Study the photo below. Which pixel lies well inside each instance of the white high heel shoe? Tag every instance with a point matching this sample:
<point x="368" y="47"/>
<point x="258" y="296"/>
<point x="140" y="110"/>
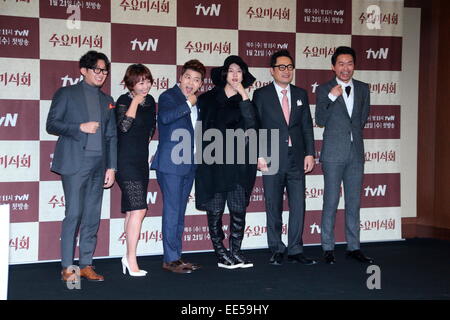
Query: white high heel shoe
<point x="125" y="266"/>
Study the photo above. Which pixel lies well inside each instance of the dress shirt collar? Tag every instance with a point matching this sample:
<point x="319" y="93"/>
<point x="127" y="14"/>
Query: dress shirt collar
<point x="345" y="84"/>
<point x="278" y="89"/>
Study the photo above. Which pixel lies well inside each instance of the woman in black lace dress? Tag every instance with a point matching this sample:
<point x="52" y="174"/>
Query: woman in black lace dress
<point x="136" y="121"/>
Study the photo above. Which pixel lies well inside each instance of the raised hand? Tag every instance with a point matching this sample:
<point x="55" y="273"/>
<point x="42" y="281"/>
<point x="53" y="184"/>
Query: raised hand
<point x="138" y="98"/>
<point x="239" y="88"/>
<point x="192" y="99"/>
<point x="337" y="90"/>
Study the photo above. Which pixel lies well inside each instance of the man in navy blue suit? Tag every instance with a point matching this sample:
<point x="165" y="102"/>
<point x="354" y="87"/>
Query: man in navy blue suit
<point x="175" y="169"/>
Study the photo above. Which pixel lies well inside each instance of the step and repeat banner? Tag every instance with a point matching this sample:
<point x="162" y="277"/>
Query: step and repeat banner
<point x="41" y="42"/>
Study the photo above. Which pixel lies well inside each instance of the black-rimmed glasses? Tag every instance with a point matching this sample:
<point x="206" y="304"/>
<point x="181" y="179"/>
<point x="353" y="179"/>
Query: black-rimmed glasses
<point x="98" y="70"/>
<point x="283" y="67"/>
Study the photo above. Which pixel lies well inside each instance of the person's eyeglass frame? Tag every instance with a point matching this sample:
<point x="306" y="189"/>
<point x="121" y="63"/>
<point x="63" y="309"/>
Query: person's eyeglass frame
<point x="283" y="67"/>
<point x="97" y="70"/>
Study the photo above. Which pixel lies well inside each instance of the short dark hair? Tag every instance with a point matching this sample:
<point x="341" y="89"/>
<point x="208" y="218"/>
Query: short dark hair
<point x="90" y="59"/>
<point x="195" y="65"/>
<point x="281" y="53"/>
<point x="342" y="50"/>
<point x="224" y="74"/>
<point x="136" y="73"/>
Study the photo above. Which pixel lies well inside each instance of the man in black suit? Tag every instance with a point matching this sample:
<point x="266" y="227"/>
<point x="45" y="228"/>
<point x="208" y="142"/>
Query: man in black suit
<point x="284" y="109"/>
<point x="82" y="117"/>
<point x="342" y="108"/>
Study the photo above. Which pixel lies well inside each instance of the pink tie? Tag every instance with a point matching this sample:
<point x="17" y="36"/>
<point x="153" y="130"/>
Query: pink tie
<point x="285" y="107"/>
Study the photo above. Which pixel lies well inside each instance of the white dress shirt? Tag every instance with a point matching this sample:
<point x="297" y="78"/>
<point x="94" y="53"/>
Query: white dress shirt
<point x="280" y="95"/>
<point x="194" y="116"/>
<point x="349" y="101"/>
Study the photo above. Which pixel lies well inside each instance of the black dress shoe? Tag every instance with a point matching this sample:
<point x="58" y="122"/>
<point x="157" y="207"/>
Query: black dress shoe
<point x="276" y="259"/>
<point x="300" y="258"/>
<point x="328" y="256"/>
<point x="359" y="256"/>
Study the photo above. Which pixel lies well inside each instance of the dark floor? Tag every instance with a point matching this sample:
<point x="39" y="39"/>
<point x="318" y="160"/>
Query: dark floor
<point x="412" y="269"/>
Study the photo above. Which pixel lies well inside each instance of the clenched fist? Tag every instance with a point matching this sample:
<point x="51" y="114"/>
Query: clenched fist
<point x="337" y="90"/>
<point x="90" y="127"/>
<point x="192" y="99"/>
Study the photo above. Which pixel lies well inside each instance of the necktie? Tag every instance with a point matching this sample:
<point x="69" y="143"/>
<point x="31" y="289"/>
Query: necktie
<point x="285" y="107"/>
<point x="347" y="90"/>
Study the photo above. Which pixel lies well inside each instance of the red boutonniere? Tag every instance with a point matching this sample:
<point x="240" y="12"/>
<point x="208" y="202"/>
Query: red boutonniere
<point x="111" y="106"/>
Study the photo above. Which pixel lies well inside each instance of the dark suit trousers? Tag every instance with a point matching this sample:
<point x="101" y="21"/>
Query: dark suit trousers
<point x="175" y="190"/>
<point x="293" y="179"/>
<point x="351" y="174"/>
<point x="83" y="194"/>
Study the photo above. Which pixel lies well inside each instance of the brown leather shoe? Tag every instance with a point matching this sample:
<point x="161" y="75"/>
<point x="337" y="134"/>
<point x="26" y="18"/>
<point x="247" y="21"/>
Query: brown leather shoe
<point x="176" y="267"/>
<point x="89" y="273"/>
<point x="67" y="276"/>
<point x="189" y="265"/>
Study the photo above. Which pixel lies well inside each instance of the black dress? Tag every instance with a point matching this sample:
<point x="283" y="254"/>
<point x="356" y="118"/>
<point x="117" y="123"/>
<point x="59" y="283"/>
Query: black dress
<point x="132" y="151"/>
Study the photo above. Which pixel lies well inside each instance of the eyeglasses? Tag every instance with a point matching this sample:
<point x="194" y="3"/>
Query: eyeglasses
<point x="98" y="70"/>
<point x="283" y="67"/>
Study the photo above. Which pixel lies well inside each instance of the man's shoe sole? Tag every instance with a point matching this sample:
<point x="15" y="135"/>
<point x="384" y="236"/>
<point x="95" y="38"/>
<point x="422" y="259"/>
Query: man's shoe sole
<point x="225" y="266"/>
<point x="246" y="265"/>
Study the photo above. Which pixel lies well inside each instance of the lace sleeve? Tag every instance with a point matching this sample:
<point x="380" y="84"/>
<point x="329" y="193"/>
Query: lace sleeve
<point x="124" y="123"/>
<point x="152" y="132"/>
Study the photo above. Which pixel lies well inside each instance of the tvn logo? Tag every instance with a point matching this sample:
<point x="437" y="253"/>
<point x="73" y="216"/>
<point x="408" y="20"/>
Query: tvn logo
<point x="9" y="120"/>
<point x="212" y="10"/>
<point x="68" y="81"/>
<point x="23" y="33"/>
<point x="24" y="197"/>
<point x="379" y="191"/>
<point x="149" y="45"/>
<point x="378" y="55"/>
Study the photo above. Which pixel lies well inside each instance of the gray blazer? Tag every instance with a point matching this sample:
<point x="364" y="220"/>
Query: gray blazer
<point x="67" y="111"/>
<point x="338" y="124"/>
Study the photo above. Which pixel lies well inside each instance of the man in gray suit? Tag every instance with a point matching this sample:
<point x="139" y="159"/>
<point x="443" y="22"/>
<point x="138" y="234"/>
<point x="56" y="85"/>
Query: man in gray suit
<point x="342" y="108"/>
<point x="284" y="108"/>
<point x="85" y="157"/>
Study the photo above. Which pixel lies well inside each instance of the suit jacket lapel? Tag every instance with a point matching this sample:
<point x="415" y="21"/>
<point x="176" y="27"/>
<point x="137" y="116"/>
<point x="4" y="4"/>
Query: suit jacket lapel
<point x="356" y="97"/>
<point x="277" y="109"/>
<point x="104" y="105"/>
<point x="180" y="98"/>
<point x="344" y="106"/>
<point x="294" y="107"/>
<point x="179" y="94"/>
<point x="80" y="102"/>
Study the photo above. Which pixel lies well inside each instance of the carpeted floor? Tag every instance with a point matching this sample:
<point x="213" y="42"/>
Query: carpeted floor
<point x="412" y="269"/>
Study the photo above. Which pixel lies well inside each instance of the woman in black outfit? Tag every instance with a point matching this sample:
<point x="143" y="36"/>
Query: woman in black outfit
<point x="227" y="106"/>
<point x="136" y="121"/>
